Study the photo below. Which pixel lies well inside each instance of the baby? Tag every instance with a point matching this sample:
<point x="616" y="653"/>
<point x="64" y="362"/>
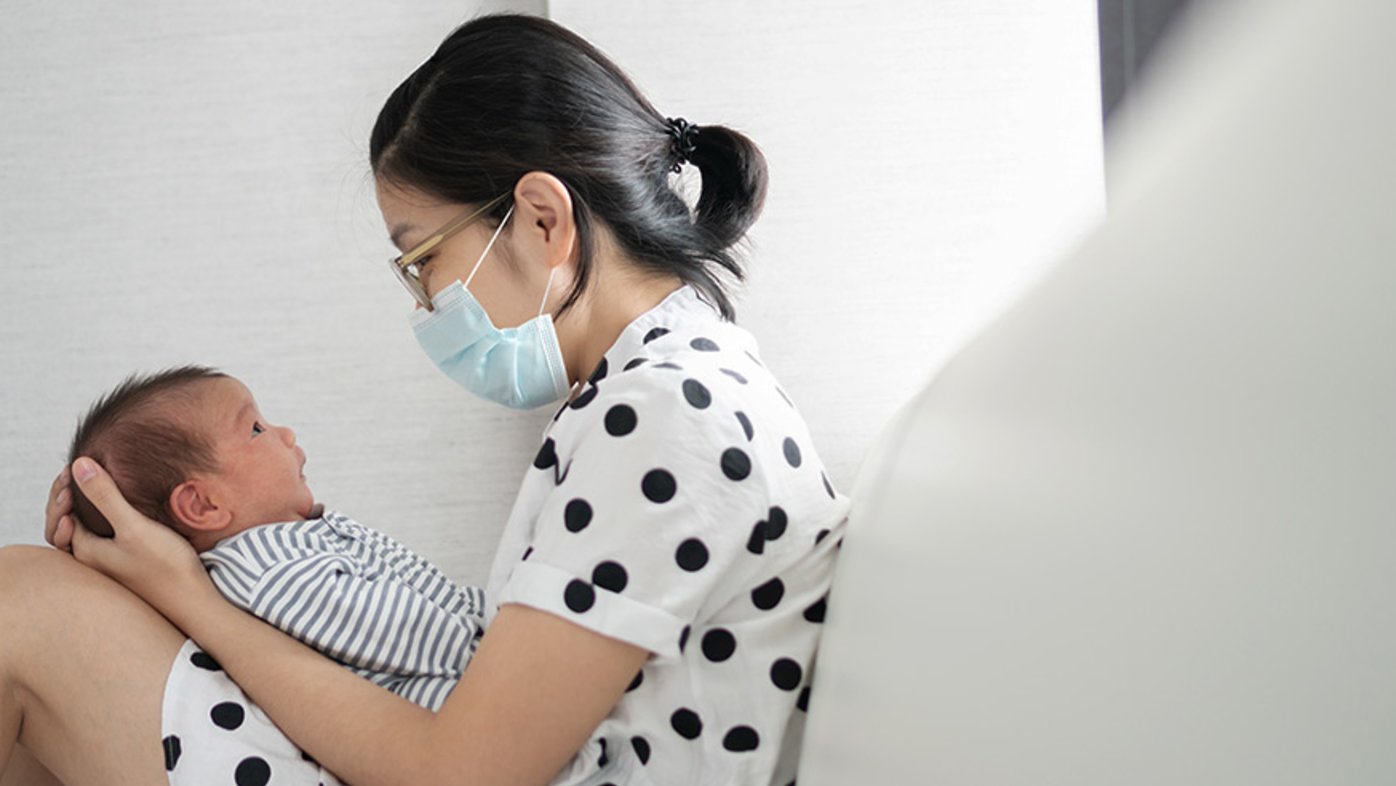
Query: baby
<point x="189" y="448"/>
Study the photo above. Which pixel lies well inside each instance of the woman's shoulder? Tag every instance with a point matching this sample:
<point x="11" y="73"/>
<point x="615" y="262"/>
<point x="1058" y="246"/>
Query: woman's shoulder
<point x="699" y="381"/>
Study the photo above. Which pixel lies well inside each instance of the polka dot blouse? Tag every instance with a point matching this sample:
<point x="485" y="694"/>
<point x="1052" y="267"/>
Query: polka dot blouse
<point x="677" y="504"/>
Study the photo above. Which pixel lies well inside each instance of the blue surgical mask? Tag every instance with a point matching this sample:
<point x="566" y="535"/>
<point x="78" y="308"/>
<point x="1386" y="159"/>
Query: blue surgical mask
<point x="519" y="367"/>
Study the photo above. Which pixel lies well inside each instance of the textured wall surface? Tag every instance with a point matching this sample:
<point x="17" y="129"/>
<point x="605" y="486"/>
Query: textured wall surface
<point x="186" y="182"/>
<point x="928" y="160"/>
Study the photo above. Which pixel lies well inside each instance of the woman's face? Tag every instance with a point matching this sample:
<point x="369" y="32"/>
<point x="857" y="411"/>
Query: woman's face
<point x="510" y="293"/>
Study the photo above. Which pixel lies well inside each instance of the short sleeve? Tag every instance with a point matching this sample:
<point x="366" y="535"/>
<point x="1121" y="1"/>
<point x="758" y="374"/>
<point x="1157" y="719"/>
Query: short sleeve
<point x="655" y="493"/>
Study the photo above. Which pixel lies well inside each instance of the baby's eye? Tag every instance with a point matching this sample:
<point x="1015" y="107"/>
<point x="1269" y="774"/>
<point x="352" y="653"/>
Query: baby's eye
<point x="257" y="428"/>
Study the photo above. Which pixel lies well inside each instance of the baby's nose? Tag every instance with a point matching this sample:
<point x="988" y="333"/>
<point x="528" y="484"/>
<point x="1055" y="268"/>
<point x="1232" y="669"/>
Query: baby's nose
<point x="287" y="435"/>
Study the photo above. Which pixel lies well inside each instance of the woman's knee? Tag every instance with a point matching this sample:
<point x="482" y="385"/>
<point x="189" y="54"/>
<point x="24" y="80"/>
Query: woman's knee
<point x="21" y="567"/>
<point x="43" y="590"/>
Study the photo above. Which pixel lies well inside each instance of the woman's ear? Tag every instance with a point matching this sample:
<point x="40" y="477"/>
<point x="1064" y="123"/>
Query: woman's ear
<point x="543" y="225"/>
<point x="192" y="505"/>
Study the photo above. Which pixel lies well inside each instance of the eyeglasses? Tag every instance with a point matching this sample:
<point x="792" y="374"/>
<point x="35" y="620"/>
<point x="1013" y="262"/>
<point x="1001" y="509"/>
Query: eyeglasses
<point x="407" y="266"/>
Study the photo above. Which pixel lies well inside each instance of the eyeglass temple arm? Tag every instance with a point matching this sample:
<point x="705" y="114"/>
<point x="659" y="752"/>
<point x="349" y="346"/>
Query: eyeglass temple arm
<point x="448" y="230"/>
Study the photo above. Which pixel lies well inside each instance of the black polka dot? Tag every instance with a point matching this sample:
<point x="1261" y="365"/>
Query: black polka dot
<point x="768" y="595"/>
<point x="692" y="555"/>
<point x="642" y="749"/>
<point x="252" y="771"/>
<point x="635" y="362"/>
<point x="718" y="645"/>
<point x="667" y="364"/>
<point x="579" y="596"/>
<point x="736" y="464"/>
<point x="610" y="575"/>
<point x="703" y="345"/>
<point x="786" y="674"/>
<point x="746" y="425"/>
<point x="828" y="487"/>
<point x="803" y="701"/>
<point x="823" y="533"/>
<point x="654" y="334"/>
<point x="205" y="661"/>
<point x="600" y="372"/>
<point x="227" y="715"/>
<point x="696" y="394"/>
<point x="577" y="515"/>
<point x="528" y="552"/>
<point x="602" y="759"/>
<point x="687" y="723"/>
<point x="658" y="485"/>
<point x="620" y="420"/>
<point x="740" y="739"/>
<point x="683" y="637"/>
<point x="547" y="455"/>
<point x="172" y="751"/>
<point x="734" y="375"/>
<point x="635" y="683"/>
<point x="584" y="399"/>
<point x="776" y="522"/>
<point x="756" y="544"/>
<point x="816" y="612"/>
<point x="792" y="452"/>
<point x="307" y="757"/>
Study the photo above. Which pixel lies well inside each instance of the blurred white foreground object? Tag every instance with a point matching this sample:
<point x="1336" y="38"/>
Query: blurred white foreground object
<point x="1142" y="530"/>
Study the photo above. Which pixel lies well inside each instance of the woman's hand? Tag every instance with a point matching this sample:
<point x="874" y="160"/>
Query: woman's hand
<point x="149" y="558"/>
<point x="58" y="518"/>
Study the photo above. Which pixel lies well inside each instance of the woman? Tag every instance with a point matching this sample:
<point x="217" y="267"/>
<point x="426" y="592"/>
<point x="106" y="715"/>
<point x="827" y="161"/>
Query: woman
<point x="656" y="597"/>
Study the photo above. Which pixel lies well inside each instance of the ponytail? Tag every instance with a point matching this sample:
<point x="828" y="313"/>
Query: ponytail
<point x="734" y="183"/>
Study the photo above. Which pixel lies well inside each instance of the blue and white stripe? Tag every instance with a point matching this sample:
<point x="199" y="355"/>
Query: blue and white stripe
<point x="359" y="597"/>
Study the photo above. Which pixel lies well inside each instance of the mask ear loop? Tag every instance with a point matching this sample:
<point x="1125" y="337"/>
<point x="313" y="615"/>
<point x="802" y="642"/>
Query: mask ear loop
<point x="546" y="290"/>
<point x="488" y="246"/>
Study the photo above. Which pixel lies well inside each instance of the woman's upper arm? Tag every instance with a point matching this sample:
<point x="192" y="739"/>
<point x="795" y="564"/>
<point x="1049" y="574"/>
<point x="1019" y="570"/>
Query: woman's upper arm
<point x="535" y="691"/>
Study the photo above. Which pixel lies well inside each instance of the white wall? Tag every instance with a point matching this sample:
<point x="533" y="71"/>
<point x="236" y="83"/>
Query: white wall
<point x="927" y="160"/>
<point x="187" y="183"/>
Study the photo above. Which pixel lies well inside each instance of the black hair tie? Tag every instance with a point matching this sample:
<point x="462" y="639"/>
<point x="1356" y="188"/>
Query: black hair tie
<point x="682" y="133"/>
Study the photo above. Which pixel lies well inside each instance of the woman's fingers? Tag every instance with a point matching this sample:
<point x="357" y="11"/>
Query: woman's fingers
<point x="102" y="492"/>
<point x="63" y="534"/>
<point x="60" y="504"/>
<point x="86" y="546"/>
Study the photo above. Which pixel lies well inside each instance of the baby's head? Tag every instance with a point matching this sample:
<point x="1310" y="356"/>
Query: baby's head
<point x="188" y="448"/>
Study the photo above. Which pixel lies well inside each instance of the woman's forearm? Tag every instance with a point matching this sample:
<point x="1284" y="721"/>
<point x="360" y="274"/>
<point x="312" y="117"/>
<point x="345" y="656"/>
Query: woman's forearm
<point x="331" y="713"/>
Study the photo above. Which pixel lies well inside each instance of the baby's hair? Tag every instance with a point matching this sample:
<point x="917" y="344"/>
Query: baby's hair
<point x="144" y="439"/>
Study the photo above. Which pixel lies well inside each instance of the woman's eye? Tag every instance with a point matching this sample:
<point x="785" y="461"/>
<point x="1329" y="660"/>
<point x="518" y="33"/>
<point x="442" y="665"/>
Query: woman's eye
<point x="422" y="263"/>
<point x="257" y="428"/>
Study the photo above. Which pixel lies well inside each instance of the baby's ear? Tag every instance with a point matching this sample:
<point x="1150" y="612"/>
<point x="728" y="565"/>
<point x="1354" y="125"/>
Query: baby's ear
<point x="191" y="505"/>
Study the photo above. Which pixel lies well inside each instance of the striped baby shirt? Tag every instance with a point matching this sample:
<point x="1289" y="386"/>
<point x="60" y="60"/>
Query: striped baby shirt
<point x="357" y="596"/>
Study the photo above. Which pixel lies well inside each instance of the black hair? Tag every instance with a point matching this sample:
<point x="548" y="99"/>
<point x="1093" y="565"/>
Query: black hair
<point x="506" y="94"/>
<point x="143" y="443"/>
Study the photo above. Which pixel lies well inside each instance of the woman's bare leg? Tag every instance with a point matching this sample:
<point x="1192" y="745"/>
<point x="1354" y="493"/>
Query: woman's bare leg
<point x="83" y="664"/>
<point x="25" y="770"/>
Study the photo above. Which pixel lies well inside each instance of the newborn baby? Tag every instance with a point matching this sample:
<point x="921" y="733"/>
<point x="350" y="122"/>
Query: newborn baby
<point x="189" y="448"/>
